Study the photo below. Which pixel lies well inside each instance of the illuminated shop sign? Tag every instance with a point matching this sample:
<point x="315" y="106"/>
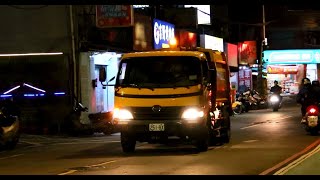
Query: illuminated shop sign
<point x="274" y="69"/>
<point x="140" y="6"/>
<point x="307" y="56"/>
<point x="211" y="42"/>
<point x="162" y="33"/>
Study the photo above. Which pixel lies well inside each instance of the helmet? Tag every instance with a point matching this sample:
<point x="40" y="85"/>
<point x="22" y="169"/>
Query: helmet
<point x="306" y="81"/>
<point x="275" y="81"/>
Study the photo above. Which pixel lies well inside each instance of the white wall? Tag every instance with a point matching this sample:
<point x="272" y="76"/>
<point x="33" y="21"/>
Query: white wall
<point x="312" y="72"/>
<point x="104" y="98"/>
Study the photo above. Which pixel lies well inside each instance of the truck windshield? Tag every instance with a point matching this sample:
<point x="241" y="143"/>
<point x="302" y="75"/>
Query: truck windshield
<point x="159" y="71"/>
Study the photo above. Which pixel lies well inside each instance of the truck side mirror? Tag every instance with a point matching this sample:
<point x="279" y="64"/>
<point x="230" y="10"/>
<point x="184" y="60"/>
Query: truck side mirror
<point x="102" y="74"/>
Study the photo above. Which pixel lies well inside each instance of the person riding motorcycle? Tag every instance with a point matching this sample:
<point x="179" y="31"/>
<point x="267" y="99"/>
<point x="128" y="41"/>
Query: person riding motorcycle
<point x="306" y="95"/>
<point x="276" y="89"/>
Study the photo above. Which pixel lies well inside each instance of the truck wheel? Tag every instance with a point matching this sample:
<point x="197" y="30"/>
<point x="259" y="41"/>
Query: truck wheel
<point x="226" y="135"/>
<point x="314" y="131"/>
<point x="11" y="144"/>
<point x="202" y="145"/>
<point x="226" y="130"/>
<point x="202" y="142"/>
<point x="128" y="142"/>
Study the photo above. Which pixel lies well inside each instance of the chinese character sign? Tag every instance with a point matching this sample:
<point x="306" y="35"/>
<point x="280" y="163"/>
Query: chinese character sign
<point x="163" y="32"/>
<point x="245" y="77"/>
<point x="114" y="16"/>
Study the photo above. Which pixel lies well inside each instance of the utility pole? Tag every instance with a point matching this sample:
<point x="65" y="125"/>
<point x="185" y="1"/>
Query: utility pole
<point x="260" y="82"/>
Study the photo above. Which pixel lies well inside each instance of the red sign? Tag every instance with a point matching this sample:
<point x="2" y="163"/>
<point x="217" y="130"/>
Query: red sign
<point x="282" y="69"/>
<point x="248" y="52"/>
<point x="187" y="39"/>
<point x="114" y="16"/>
<point x="245" y="78"/>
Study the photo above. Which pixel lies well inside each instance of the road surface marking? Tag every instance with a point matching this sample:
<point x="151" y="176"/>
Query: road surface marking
<point x="11" y="156"/>
<point x="32" y="143"/>
<point x="68" y="172"/>
<point x="86" y="142"/>
<point x="297" y="162"/>
<point x="259" y="123"/>
<point x="293" y="157"/>
<point x="101" y="164"/>
<point x="249" y="141"/>
<point x="89" y="166"/>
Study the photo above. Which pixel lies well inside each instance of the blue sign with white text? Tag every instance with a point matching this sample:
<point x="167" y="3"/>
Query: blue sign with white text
<point x="294" y="56"/>
<point x="163" y="32"/>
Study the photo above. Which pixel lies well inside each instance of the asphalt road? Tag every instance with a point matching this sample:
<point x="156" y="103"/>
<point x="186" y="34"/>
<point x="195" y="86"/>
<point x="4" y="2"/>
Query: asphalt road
<point x="261" y="142"/>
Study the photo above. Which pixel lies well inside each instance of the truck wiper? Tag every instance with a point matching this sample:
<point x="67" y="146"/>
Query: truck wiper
<point x="175" y="86"/>
<point x="137" y="86"/>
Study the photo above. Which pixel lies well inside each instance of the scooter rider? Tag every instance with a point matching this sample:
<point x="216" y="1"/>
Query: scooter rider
<point x="276" y="89"/>
<point x="305" y="97"/>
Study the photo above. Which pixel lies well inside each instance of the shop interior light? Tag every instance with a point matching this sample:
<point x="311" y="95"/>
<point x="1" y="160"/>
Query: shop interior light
<point x="10" y="90"/>
<point x="31" y="54"/>
<point x="25" y="84"/>
<point x="32" y="95"/>
<point x="5" y="95"/>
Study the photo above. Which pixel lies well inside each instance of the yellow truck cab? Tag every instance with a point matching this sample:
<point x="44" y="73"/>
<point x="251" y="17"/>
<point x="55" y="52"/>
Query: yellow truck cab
<point x="173" y="92"/>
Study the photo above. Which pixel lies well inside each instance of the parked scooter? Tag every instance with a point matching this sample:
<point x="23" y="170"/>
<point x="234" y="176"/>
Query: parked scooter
<point x="275" y="101"/>
<point x="9" y="126"/>
<point x="73" y="124"/>
<point x="241" y="104"/>
<point x="311" y="120"/>
<point x="261" y="101"/>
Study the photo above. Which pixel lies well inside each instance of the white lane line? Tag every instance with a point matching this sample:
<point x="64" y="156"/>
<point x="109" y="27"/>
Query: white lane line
<point x="32" y="143"/>
<point x="95" y="142"/>
<point x="250" y="126"/>
<point x="101" y="164"/>
<point x="297" y="161"/>
<point x="11" y="156"/>
<point x="68" y="172"/>
<point x="253" y="125"/>
<point x="89" y="166"/>
<point x="250" y="141"/>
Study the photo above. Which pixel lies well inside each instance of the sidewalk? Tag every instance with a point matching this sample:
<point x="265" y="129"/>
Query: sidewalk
<point x="308" y="164"/>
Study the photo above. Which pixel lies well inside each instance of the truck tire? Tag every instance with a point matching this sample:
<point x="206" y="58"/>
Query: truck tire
<point x="128" y="142"/>
<point x="226" y="129"/>
<point x="314" y="131"/>
<point x="202" y="142"/>
<point x="202" y="145"/>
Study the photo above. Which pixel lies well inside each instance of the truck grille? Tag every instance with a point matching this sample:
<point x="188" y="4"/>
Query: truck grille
<point x="166" y="113"/>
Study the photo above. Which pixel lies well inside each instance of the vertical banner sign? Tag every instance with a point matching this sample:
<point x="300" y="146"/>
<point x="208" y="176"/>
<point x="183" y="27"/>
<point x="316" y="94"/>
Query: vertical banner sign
<point x="245" y="78"/>
<point x="162" y="33"/>
<point x="114" y="16"/>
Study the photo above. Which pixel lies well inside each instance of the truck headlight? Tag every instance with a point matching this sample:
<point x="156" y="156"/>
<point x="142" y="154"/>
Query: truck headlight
<point x="192" y="114"/>
<point x="122" y="114"/>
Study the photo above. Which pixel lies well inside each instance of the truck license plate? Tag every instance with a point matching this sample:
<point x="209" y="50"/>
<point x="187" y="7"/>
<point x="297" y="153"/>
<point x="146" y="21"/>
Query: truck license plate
<point x="312" y="121"/>
<point x="156" y="127"/>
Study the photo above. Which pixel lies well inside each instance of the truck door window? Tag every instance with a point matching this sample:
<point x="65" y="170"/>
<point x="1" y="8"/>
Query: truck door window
<point x="222" y="81"/>
<point x="204" y="65"/>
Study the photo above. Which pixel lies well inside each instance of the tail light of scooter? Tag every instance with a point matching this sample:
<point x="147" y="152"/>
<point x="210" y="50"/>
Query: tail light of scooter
<point x="312" y="110"/>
